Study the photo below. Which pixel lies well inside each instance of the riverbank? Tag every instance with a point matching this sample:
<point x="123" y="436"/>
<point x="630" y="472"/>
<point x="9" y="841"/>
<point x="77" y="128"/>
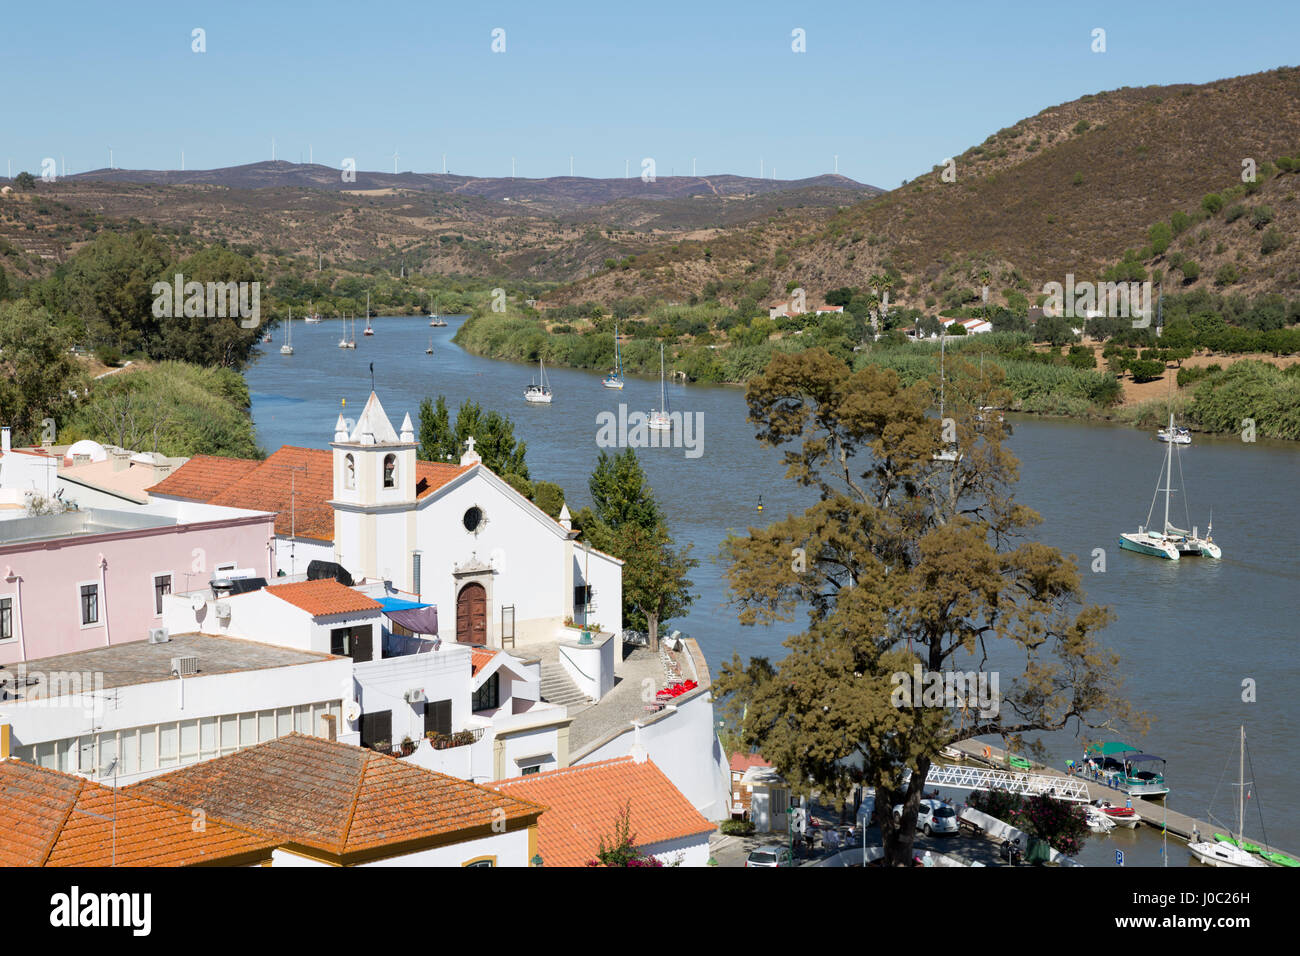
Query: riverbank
<point x="1250" y="395"/>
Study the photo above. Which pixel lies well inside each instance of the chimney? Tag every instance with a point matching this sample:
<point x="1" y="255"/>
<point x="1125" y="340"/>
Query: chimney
<point x="331" y="732"/>
<point x="121" y="459"/>
<point x="566" y="520"/>
<point x="5" y="435"/>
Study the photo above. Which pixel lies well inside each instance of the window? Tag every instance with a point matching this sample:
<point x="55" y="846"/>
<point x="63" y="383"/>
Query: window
<point x="162" y="584"/>
<point x="354" y="642"/>
<point x="535" y="768"/>
<point x="473" y="518"/>
<point x="487" y="697"/>
<point x="482" y="861"/>
<point x="390" y="471"/>
<point x="582" y="597"/>
<point x="349" y="472"/>
<point x="89" y="604"/>
<point x="6" y="619"/>
<point x="437" y="716"/>
<point x="377" y="731"/>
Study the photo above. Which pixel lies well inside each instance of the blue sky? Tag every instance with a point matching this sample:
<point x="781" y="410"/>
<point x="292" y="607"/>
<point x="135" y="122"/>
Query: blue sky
<point x="891" y="88"/>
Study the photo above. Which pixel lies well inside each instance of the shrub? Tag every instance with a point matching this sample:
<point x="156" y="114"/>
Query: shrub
<point x="1212" y="203"/>
<point x="1261" y="216"/>
<point x="1191" y="271"/>
<point x="1234" y="213"/>
<point x="737" y="827"/>
<point x="1180" y="221"/>
<point x="1160" y="236"/>
<point x="1271" y="242"/>
<point x="1226" y="274"/>
<point x="1082" y="126"/>
<point x="1146" y="370"/>
<point x="1078" y="179"/>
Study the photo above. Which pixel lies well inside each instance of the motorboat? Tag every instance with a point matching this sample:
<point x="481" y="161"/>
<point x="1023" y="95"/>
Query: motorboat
<point x="1123" y="767"/>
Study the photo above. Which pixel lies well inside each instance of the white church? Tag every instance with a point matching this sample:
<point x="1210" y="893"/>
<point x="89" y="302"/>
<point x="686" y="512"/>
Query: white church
<point x="500" y="570"/>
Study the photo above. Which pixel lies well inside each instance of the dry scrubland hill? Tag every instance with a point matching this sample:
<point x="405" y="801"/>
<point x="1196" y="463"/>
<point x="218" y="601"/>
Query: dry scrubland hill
<point x="1066" y="191"/>
<point x="555" y="229"/>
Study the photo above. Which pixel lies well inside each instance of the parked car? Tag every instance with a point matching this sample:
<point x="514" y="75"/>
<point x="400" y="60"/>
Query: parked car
<point x="770" y="856"/>
<point x="933" y="816"/>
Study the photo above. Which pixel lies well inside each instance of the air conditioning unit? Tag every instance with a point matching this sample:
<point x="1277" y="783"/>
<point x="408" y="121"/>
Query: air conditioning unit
<point x="414" y="696"/>
<point x="185" y="666"/>
<point x="159" y="635"/>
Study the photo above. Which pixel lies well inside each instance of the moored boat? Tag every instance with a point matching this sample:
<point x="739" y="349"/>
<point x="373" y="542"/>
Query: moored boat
<point x="1116" y="764"/>
<point x="539" y="393"/>
<point x="1171" y="543"/>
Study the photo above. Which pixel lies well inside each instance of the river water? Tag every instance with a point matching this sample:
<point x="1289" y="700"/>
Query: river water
<point x="1189" y="632"/>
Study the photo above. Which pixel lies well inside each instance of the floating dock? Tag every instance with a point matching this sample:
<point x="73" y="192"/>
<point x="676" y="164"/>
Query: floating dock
<point x="1153" y="812"/>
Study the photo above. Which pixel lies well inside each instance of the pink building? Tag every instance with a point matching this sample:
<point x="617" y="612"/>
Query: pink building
<point x="85" y="579"/>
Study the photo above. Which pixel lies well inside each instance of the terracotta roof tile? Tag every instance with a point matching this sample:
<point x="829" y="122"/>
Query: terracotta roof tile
<point x="322" y="597"/>
<point x="583" y="804"/>
<point x="481" y="658"/>
<point x="742" y="762"/>
<point x="302" y="506"/>
<point x="203" y="476"/>
<point x="56" y="819"/>
<point x="333" y="797"/>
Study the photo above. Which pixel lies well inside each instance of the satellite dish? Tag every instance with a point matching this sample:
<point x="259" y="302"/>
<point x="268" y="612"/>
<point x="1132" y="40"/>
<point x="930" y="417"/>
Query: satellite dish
<point x="352" y="712"/>
<point x="198" y="603"/>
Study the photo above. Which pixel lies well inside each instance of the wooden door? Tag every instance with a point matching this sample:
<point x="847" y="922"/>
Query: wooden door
<point x="471" y="615"/>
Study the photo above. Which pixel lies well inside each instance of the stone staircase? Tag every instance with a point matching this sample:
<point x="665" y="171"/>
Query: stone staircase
<point x="557" y="686"/>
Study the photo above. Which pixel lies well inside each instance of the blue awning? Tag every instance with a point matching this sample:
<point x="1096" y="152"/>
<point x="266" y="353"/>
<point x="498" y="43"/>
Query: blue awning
<point x="397" y="604"/>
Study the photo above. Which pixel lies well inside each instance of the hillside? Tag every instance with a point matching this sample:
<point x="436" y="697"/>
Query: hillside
<point x="551" y="230"/>
<point x="1066" y="191"/>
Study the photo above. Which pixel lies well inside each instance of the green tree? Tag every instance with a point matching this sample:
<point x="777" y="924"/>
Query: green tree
<point x="655" y="575"/>
<point x="37" y="373"/>
<point x="25" y="181"/>
<point x="207" y="339"/>
<point x="493" y="434"/>
<point x="109" y="286"/>
<point x="907" y="560"/>
<point x="620" y="493"/>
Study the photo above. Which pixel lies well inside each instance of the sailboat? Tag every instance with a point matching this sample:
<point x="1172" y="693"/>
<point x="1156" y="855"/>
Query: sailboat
<point x="287" y="347"/>
<point x="949" y="452"/>
<point x="313" y="319"/>
<point x="539" y="394"/>
<point x="345" y="342"/>
<point x="369" y="330"/>
<point x="1230" y="853"/>
<point x="1179" y="435"/>
<point x="1171" y="542"/>
<point x="429" y="350"/>
<point x="615" y="378"/>
<point x="435" y="319"/>
<point x="661" y="420"/>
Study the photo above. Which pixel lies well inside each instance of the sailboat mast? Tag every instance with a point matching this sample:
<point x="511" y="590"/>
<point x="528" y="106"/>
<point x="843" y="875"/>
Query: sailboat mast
<point x="663" y="393"/>
<point x="1169" y="472"/>
<point x="1241" y="786"/>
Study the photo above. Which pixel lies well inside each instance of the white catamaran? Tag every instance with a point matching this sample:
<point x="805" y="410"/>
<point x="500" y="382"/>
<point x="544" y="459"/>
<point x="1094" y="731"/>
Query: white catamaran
<point x="615" y="378"/>
<point x="539" y="394"/>
<point x="661" y="420"/>
<point x="1170" y="542"/>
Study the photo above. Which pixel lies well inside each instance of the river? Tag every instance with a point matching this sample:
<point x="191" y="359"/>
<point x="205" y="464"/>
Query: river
<point x="1189" y="632"/>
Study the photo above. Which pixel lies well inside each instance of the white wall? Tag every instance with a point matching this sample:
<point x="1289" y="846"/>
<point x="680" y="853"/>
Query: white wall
<point x="510" y="849"/>
<point x="175" y="699"/>
<point x="684" y="851"/>
<point x="683" y="744"/>
<point x="605" y="575"/>
<point x="443" y="674"/>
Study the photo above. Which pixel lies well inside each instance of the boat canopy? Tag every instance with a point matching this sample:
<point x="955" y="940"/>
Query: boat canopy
<point x="1109" y="748"/>
<point x="1143" y="758"/>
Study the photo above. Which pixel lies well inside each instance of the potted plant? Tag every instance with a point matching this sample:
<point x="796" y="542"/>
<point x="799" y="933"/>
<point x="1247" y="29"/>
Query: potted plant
<point x="408" y="746"/>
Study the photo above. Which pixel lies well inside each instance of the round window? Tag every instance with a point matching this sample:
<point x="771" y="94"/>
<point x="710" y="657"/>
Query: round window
<point x="473" y="518"/>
